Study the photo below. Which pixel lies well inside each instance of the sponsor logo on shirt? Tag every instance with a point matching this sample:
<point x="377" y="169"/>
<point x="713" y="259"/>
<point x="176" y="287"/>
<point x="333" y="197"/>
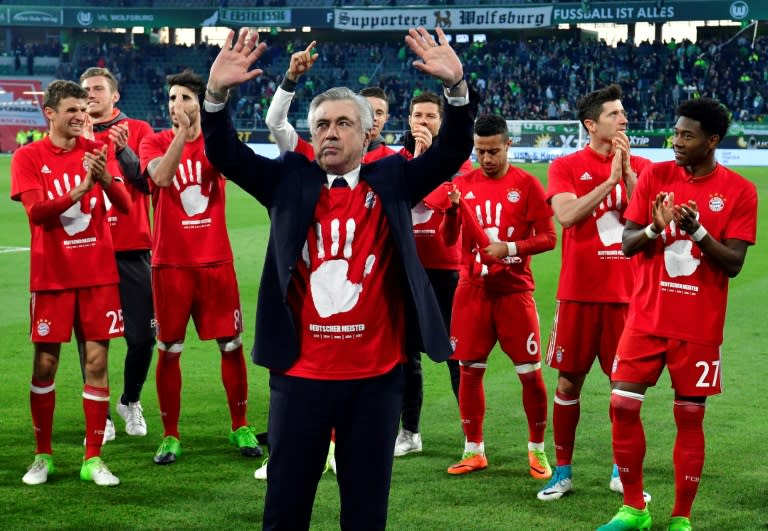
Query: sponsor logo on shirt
<point x="469" y="195"/>
<point x="716" y="202"/>
<point x="43" y="327"/>
<point x="585" y="176"/>
<point x="513" y="195"/>
<point x="45" y="169"/>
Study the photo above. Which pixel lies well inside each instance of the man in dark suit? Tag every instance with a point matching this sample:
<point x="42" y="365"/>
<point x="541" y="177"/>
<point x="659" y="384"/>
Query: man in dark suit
<point x="343" y="295"/>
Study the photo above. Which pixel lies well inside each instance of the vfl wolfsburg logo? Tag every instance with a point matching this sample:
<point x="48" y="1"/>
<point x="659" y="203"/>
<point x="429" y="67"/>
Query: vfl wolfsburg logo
<point x="84" y="18"/>
<point x="739" y="10"/>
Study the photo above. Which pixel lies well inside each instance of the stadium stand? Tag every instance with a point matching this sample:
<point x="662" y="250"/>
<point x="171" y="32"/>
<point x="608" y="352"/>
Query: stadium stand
<point x="654" y="76"/>
<point x="531" y="79"/>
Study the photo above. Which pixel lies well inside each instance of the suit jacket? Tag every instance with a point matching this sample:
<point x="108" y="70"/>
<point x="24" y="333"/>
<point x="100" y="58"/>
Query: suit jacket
<point x="289" y="187"/>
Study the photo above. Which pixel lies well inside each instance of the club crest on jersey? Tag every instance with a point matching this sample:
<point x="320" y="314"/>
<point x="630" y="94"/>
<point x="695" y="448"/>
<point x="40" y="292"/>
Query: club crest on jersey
<point x="370" y="199"/>
<point x="559" y="354"/>
<point x="43" y="327"/>
<point x="615" y="364"/>
<point x="716" y="202"/>
<point x="513" y="195"/>
<point x="453" y="343"/>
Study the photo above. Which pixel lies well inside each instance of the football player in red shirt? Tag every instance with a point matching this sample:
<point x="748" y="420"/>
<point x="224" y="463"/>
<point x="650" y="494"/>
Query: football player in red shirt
<point x="440" y="261"/>
<point x="588" y="191"/>
<point x="689" y="224"/>
<point x="193" y="274"/>
<point x="64" y="181"/>
<point x="495" y="303"/>
<point x="131" y="238"/>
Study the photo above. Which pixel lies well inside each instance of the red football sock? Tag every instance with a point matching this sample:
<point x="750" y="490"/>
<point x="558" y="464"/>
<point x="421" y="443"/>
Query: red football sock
<point x="565" y="418"/>
<point x="629" y="444"/>
<point x="534" y="402"/>
<point x="472" y="402"/>
<point x="96" y="407"/>
<point x="42" y="401"/>
<point x="235" y="379"/>
<point x="168" y="380"/>
<point x="688" y="455"/>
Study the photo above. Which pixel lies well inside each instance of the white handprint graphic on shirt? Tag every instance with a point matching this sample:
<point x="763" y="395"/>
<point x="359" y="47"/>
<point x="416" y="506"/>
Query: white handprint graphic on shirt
<point x="489" y="221"/>
<point x="332" y="291"/>
<point x="192" y="198"/>
<point x="73" y="219"/>
<point x="421" y="213"/>
<point x="678" y="258"/>
<point x="609" y="226"/>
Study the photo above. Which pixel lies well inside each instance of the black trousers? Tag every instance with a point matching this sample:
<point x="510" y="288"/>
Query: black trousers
<point x="444" y="283"/>
<point x="138" y="318"/>
<point x="302" y="412"/>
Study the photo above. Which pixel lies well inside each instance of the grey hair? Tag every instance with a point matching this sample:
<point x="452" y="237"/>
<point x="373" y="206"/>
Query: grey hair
<point x="338" y="94"/>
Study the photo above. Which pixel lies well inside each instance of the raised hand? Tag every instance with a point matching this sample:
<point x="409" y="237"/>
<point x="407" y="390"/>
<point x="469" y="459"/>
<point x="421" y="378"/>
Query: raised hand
<point x="302" y="61"/>
<point x="621" y="141"/>
<point x="118" y="134"/>
<point x="189" y="182"/>
<point x="423" y="138"/>
<point x="232" y="65"/>
<point x="663" y="210"/>
<point x="96" y="165"/>
<point x="88" y="127"/>
<point x="436" y="57"/>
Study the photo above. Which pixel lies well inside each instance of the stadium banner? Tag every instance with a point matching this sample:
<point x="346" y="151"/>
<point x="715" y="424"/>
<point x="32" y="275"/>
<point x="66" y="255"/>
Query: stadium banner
<point x="87" y="17"/>
<point x="655" y="11"/>
<point x="383" y="19"/>
<point x="470" y="18"/>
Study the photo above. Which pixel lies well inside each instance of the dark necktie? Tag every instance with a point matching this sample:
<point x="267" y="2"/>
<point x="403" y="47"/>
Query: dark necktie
<point x="339" y="182"/>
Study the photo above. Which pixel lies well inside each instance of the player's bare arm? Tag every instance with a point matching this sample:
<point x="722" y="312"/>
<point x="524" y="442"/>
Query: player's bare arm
<point x="729" y="255"/>
<point x="232" y="65"/>
<point x="570" y="209"/>
<point x="162" y="170"/>
<point x="635" y="236"/>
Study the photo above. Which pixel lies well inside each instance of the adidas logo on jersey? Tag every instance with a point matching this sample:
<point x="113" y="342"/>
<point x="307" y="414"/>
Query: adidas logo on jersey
<point x="585" y="177"/>
<point x="469" y="195"/>
<point x="45" y="169"/>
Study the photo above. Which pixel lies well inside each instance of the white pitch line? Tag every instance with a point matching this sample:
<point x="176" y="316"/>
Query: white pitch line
<point x="13" y="249"/>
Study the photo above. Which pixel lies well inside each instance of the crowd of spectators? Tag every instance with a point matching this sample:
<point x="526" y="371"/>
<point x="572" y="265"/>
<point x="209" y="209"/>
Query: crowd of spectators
<point x="522" y="79"/>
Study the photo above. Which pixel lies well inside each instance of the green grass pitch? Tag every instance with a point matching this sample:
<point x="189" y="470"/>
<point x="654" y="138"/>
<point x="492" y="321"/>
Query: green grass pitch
<point x="212" y="487"/>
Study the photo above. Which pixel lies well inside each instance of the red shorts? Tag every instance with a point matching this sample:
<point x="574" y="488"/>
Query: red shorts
<point x="583" y="331"/>
<point x="208" y="294"/>
<point x="693" y="367"/>
<point x="94" y="313"/>
<point x="479" y="319"/>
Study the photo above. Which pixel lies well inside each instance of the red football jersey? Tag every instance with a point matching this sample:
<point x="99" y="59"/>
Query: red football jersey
<point x="130" y="232"/>
<point x="506" y="209"/>
<point x="350" y="327"/>
<point x="679" y="292"/>
<point x="75" y="250"/>
<point x="593" y="269"/>
<point x="189" y="220"/>
<point x="427" y="217"/>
